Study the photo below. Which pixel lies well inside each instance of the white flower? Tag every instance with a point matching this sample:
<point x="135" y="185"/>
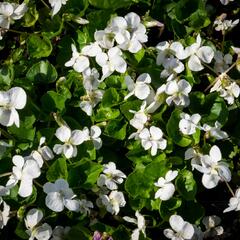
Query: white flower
<point x="70" y="139"/>
<point x="59" y="195"/>
<point x="188" y="124"/>
<point x="94" y="95"/>
<point x="227" y="88"/>
<point x="211" y="224"/>
<point x="56" y="5"/>
<point x="4" y="214"/>
<point x="225" y="2"/>
<point x="140" y="88"/>
<point x="197" y="54"/>
<point x="113" y="202"/>
<point x="80" y="61"/>
<point x="167" y="189"/>
<point x="111" y="176"/>
<point x="225" y="25"/>
<point x="213" y="169"/>
<point x="111" y="61"/>
<point x="60" y="233"/>
<point x="32" y="220"/>
<point x="10" y="12"/>
<point x="152" y="139"/>
<point x="182" y="229"/>
<point x="234" y="202"/>
<point x="14" y="98"/>
<point x="42" y="153"/>
<point x="129" y="32"/>
<point x="178" y="91"/>
<point x="141" y="225"/>
<point x="215" y="131"/>
<point x="24" y="171"/>
<point x="195" y="156"/>
<point x="140" y="117"/>
<point x="105" y="38"/>
<point x="85" y="206"/>
<point x="93" y="135"/>
<point x="222" y="62"/>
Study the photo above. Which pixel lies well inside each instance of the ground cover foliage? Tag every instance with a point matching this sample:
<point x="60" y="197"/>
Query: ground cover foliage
<point x="119" y="119"/>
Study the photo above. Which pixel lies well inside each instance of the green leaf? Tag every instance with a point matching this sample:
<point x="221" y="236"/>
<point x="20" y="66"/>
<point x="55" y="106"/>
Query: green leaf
<point x="31" y="16"/>
<point x="110" y="97"/>
<point x="57" y="170"/>
<point x="110" y="4"/>
<point x="104" y="114"/>
<point x="6" y="75"/>
<point x="52" y="101"/>
<point x="168" y="208"/>
<point x="38" y="46"/>
<point x="140" y="182"/>
<point x="130" y="105"/>
<point x="139" y="55"/>
<point x="84" y="174"/>
<point x="173" y="130"/>
<point x="186" y="185"/>
<point x="42" y="72"/>
<point x="216" y="109"/>
<point x="116" y="129"/>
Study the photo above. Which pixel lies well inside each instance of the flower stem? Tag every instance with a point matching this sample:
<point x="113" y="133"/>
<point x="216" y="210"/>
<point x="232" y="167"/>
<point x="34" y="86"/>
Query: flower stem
<point x="5" y="174"/>
<point x="45" y="4"/>
<point x="229" y="188"/>
<point x="38" y="184"/>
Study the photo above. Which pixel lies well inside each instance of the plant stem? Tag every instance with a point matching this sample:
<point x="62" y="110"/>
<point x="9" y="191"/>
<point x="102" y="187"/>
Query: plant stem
<point x="45" y="4"/>
<point x="229" y="188"/>
<point x="5" y="174"/>
<point x="38" y="184"/>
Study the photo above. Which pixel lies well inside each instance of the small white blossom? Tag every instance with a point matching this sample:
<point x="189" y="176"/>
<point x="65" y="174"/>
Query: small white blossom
<point x="182" y="230"/>
<point x="56" y="5"/>
<point x="129" y="32"/>
<point x="225" y="25"/>
<point x="141" y="225"/>
<point x="140" y="117"/>
<point x="85" y="206"/>
<point x="93" y="135"/>
<point x="94" y="95"/>
<point x="10" y="12"/>
<point x="4" y="214"/>
<point x="113" y="201"/>
<point x="24" y="170"/>
<point x="234" y="202"/>
<point x="152" y="139"/>
<point x="35" y="230"/>
<point x="111" y="61"/>
<point x="167" y="189"/>
<point x="14" y="98"/>
<point x="111" y="176"/>
<point x="198" y="54"/>
<point x="60" y="233"/>
<point x="188" y="124"/>
<point x="140" y="88"/>
<point x="105" y="38"/>
<point x="178" y="92"/>
<point x="59" y="195"/>
<point x="211" y="224"/>
<point x="227" y="88"/>
<point x="215" y="131"/>
<point x="222" y="62"/>
<point x="70" y="139"/>
<point x="195" y="156"/>
<point x="213" y="169"/>
<point x="42" y="153"/>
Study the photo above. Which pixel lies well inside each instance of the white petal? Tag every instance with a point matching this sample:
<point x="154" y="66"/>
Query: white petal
<point x="170" y="175"/>
<point x="187" y="231"/>
<point x="54" y="201"/>
<point x="18" y="97"/>
<point x="144" y="77"/>
<point x="25" y="188"/>
<point x="215" y="153"/>
<point x="194" y="64"/>
<point x="210" y="180"/>
<point x="63" y="133"/>
<point x="78" y="137"/>
<point x="176" y="222"/>
<point x="206" y="54"/>
<point x="72" y="205"/>
<point x="81" y="64"/>
<point x="34" y="216"/>
<point x="142" y="91"/>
